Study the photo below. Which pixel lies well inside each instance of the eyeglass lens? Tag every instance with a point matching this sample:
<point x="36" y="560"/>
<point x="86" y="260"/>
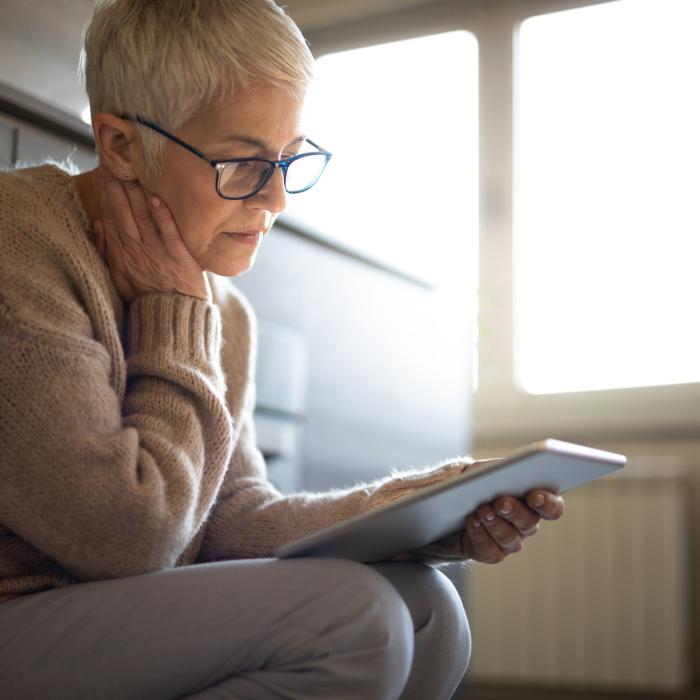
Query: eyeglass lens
<point x="241" y="179"/>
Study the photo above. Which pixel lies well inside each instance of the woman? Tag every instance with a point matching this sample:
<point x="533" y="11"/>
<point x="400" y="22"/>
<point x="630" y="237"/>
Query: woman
<point x="136" y="521"/>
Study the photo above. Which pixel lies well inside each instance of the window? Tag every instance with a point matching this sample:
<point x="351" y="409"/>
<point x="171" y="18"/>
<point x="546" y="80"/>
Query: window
<point x="607" y="176"/>
<point x="401" y="120"/>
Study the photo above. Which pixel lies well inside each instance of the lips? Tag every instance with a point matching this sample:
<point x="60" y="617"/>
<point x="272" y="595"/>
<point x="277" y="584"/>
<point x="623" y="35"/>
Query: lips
<point x="246" y="239"/>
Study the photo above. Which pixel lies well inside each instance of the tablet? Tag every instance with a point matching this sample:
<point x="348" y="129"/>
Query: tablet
<point x="440" y="509"/>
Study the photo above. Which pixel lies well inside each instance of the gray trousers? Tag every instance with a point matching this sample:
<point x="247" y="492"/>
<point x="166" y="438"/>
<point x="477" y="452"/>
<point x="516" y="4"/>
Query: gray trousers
<point x="252" y="629"/>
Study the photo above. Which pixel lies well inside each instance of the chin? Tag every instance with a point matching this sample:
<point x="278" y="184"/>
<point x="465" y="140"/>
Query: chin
<point x="230" y="268"/>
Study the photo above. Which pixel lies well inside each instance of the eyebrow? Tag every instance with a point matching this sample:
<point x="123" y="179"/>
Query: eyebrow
<point x="256" y="142"/>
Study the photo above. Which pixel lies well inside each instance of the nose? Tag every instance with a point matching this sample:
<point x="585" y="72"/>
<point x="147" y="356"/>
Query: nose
<point x="272" y="197"/>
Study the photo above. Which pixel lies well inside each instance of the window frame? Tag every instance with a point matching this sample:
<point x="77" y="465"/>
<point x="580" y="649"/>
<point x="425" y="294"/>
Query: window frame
<point x="292" y="220"/>
<point x="502" y="411"/>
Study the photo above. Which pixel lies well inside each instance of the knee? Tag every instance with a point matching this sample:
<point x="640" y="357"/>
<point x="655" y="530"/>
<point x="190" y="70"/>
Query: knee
<point x="386" y="628"/>
<point x="446" y="615"/>
<point x="454" y="616"/>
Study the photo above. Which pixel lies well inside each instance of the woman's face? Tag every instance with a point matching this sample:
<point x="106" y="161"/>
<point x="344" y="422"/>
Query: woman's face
<point x="266" y="115"/>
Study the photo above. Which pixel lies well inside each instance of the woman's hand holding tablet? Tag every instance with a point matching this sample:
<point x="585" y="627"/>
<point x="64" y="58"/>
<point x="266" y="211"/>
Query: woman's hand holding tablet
<point x="495" y="530"/>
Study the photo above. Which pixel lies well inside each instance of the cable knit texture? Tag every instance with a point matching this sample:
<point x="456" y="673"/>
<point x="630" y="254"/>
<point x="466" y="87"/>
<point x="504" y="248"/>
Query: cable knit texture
<point x="127" y="433"/>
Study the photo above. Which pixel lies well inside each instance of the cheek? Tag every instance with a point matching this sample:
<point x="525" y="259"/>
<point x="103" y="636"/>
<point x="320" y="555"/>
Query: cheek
<point x="197" y="210"/>
<point x="187" y="187"/>
<point x="199" y="213"/>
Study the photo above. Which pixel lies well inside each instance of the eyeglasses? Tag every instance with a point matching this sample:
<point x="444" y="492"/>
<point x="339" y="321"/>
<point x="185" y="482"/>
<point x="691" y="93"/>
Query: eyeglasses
<point x="240" y="178"/>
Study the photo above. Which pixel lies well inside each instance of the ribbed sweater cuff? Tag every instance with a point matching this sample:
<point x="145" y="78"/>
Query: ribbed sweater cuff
<point x="175" y="326"/>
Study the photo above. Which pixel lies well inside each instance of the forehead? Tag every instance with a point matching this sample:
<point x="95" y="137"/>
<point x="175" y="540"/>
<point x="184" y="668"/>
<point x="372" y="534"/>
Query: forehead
<point x="267" y="114"/>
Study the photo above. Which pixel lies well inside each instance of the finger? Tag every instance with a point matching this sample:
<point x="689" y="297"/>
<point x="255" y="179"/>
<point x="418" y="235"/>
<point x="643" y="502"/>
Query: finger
<point x="169" y="231"/>
<point x="478" y="544"/>
<point x="119" y="251"/>
<point x="550" y="506"/>
<point x="110" y="238"/>
<point x="142" y="213"/>
<point x="110" y="247"/>
<point x="506" y="535"/>
<point x="116" y="206"/>
<point x="518" y="514"/>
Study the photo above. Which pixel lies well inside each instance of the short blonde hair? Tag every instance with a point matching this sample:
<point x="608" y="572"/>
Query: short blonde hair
<point x="170" y="61"/>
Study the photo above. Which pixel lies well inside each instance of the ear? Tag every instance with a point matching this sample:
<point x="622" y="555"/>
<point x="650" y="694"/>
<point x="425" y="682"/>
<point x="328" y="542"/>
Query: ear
<point x="117" y="145"/>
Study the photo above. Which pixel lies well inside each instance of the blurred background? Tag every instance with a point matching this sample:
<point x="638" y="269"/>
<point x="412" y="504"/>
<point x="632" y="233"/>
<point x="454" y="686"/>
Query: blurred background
<point x="504" y="248"/>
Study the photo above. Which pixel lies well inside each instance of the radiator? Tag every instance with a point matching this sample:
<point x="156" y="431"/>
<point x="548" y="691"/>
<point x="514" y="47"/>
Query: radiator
<point x="599" y="599"/>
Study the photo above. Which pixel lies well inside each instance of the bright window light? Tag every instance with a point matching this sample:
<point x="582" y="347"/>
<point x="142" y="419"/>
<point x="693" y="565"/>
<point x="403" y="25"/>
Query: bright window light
<point x="607" y="236"/>
<point x="401" y="121"/>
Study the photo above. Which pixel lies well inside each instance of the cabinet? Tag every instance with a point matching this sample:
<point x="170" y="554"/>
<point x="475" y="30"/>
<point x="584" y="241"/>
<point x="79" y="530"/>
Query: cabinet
<point x="281" y="398"/>
<point x="36" y="145"/>
<point x="7" y="139"/>
<point x="23" y="144"/>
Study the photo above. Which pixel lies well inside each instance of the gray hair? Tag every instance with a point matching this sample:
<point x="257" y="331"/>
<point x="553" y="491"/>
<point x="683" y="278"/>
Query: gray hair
<point x="171" y="60"/>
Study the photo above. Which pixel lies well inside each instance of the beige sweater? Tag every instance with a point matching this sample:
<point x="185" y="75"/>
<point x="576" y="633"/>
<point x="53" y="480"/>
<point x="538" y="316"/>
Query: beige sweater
<point x="127" y="442"/>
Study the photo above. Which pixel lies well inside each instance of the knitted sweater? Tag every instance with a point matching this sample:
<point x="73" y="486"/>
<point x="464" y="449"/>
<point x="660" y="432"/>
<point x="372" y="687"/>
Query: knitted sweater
<point x="127" y="442"/>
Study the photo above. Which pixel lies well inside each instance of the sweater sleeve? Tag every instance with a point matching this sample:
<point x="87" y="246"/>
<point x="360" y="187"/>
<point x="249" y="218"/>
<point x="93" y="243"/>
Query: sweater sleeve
<point x="112" y="487"/>
<point x="252" y="518"/>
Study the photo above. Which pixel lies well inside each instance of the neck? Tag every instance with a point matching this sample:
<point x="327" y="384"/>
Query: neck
<point x="88" y="190"/>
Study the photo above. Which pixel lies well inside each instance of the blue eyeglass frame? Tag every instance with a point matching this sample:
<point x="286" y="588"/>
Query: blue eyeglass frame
<point x="219" y="165"/>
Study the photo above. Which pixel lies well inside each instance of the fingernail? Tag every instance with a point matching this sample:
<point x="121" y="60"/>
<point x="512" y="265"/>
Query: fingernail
<point x="476" y="522"/>
<point x="538" y="500"/>
<point x="155" y="201"/>
<point x="490" y="516"/>
<point x="506" y="508"/>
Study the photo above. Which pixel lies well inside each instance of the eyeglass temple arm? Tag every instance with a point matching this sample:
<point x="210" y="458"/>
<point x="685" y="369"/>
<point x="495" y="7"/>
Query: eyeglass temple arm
<point x="320" y="148"/>
<point x="192" y="149"/>
<point x="168" y="135"/>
